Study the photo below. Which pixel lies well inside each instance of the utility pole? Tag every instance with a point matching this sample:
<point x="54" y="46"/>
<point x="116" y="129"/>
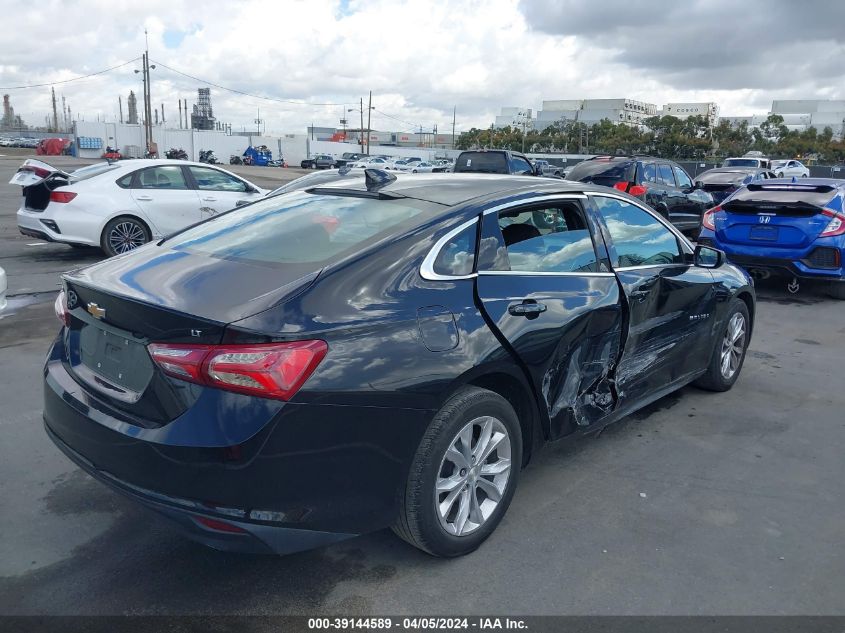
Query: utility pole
<point x="187" y="127"/>
<point x="162" y="115"/>
<point x="179" y="101"/>
<point x="120" y="107"/>
<point x="64" y="115"/>
<point x="55" y="114"/>
<point x="454" y="113"/>
<point x="369" y="112"/>
<point x="362" y="125"/>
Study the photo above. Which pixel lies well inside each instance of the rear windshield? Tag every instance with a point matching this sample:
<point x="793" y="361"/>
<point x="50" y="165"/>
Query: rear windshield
<point x="779" y="195"/>
<point x="482" y="162"/>
<point x="741" y="162"/>
<point x="300" y="228"/>
<point x="722" y="176"/>
<point x="84" y="173"/>
<point x="602" y="172"/>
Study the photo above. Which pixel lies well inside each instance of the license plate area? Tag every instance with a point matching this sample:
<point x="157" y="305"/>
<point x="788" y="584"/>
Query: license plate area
<point x="114" y="363"/>
<point x="763" y="232"/>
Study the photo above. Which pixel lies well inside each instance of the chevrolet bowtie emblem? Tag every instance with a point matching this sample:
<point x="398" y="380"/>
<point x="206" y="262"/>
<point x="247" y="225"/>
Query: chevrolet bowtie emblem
<point x="96" y="311"/>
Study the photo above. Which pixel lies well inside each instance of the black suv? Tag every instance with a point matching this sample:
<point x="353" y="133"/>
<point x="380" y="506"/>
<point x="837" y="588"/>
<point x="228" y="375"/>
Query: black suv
<point x="493" y="161"/>
<point x="659" y="182"/>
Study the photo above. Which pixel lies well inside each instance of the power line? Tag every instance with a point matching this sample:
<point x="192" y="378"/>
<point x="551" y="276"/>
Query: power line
<point x="390" y="116"/>
<point x="64" y="81"/>
<point x="241" y="92"/>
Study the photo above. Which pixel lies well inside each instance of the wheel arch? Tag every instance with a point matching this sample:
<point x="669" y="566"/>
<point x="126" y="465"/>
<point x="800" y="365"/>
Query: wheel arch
<point x="519" y="395"/>
<point x="748" y="300"/>
<point x="131" y="216"/>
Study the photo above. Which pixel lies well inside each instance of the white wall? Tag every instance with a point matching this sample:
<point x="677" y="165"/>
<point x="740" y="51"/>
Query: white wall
<point x="124" y="135"/>
<point x="337" y="149"/>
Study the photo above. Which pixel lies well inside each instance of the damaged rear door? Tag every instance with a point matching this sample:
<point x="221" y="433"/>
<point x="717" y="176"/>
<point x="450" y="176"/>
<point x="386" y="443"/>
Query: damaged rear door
<point x="550" y="297"/>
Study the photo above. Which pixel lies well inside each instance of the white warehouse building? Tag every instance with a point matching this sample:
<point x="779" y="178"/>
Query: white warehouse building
<point x="709" y="110"/>
<point x="512" y="116"/>
<point x="590" y="111"/>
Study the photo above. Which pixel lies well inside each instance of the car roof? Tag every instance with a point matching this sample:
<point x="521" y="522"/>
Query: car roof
<point x="810" y="182"/>
<point x="454" y="189"/>
<point x="735" y="170"/>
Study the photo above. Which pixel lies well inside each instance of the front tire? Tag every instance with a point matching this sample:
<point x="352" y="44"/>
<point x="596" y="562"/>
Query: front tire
<point x="124" y="234"/>
<point x="463" y="476"/>
<point x="729" y="351"/>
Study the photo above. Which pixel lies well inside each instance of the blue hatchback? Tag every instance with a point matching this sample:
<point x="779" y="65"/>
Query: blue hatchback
<point x="792" y="227"/>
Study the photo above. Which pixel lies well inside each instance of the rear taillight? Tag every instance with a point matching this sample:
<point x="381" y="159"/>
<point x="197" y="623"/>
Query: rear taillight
<point x="218" y="525"/>
<point x="708" y="220"/>
<point x="836" y="226"/>
<point x="271" y="370"/>
<point x="630" y="188"/>
<point x="60" y="306"/>
<point x="62" y="196"/>
<point x="38" y="171"/>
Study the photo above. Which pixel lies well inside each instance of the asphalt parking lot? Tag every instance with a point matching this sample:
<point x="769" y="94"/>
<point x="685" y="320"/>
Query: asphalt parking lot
<point x="703" y="504"/>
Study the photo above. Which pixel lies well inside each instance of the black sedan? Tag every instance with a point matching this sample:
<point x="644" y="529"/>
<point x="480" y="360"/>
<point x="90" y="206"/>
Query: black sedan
<point x="384" y="352"/>
<point x="723" y="181"/>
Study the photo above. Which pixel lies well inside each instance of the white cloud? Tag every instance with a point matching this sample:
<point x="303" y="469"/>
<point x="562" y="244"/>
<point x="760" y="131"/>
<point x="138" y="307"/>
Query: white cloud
<point x="419" y="58"/>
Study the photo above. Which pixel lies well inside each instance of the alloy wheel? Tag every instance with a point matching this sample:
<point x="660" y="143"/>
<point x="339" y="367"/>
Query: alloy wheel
<point x="473" y="475"/>
<point x="126" y="236"/>
<point x="733" y="346"/>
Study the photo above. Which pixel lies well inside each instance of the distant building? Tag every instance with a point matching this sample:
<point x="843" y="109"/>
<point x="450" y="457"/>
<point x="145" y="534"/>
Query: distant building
<point x="202" y="117"/>
<point x="708" y="110"/>
<point x="513" y="116"/>
<point x="10" y="120"/>
<point x="591" y="111"/>
<point x="132" y="102"/>
<point x="800" y="115"/>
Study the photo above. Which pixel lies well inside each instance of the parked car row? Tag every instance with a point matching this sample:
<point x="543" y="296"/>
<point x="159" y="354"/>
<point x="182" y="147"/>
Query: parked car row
<point x="30" y="143"/>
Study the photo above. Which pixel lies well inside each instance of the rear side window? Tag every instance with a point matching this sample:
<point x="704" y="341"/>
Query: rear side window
<point x="521" y="166"/>
<point x="553" y="239"/>
<point x="164" y="177"/>
<point x="664" y="174"/>
<point x="639" y="238"/>
<point x="482" y="162"/>
<point x="457" y="257"/>
<point x="125" y="182"/>
<point x="603" y="172"/>
<point x="299" y="228"/>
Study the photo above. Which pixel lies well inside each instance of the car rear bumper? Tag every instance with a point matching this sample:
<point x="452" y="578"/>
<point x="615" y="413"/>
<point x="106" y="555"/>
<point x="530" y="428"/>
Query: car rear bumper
<point x="312" y="474"/>
<point x="218" y="527"/>
<point x="42" y="226"/>
<point x="803" y="264"/>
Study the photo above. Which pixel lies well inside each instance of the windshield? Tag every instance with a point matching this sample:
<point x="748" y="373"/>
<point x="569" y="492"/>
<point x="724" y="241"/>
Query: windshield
<point x="483" y="162"/>
<point x="741" y="162"/>
<point x="298" y="228"/>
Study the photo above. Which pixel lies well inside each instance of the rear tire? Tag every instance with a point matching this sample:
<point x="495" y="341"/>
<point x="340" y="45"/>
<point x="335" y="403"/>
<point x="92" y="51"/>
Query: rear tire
<point x="729" y="350"/>
<point x="463" y="476"/>
<point x="836" y="289"/>
<point x="123" y="234"/>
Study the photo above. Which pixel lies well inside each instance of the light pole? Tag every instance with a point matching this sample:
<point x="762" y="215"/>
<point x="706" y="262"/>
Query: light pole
<point x="148" y="114"/>
<point x="523" y="118"/>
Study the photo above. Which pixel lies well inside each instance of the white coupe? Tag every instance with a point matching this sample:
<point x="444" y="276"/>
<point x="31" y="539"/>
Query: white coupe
<point x="789" y="168"/>
<point x="120" y="206"/>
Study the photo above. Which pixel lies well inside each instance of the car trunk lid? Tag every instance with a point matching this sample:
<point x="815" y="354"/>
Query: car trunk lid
<point x="120" y="306"/>
<point x="782" y="215"/>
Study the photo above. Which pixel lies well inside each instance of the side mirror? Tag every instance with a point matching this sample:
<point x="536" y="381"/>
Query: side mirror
<point x="242" y="203"/>
<point x="708" y="257"/>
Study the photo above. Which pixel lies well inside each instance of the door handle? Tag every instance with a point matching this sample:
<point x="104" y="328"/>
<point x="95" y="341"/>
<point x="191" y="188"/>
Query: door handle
<point x="144" y="198"/>
<point x="209" y="199"/>
<point x="527" y="308"/>
<point x="640" y="295"/>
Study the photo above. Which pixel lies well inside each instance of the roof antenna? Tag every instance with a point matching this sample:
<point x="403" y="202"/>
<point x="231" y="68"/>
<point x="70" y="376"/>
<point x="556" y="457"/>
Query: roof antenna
<point x="375" y="179"/>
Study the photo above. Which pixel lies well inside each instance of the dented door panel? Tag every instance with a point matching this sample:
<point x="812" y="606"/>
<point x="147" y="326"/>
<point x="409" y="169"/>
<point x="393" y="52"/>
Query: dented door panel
<point x="670" y="313"/>
<point x="569" y="349"/>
